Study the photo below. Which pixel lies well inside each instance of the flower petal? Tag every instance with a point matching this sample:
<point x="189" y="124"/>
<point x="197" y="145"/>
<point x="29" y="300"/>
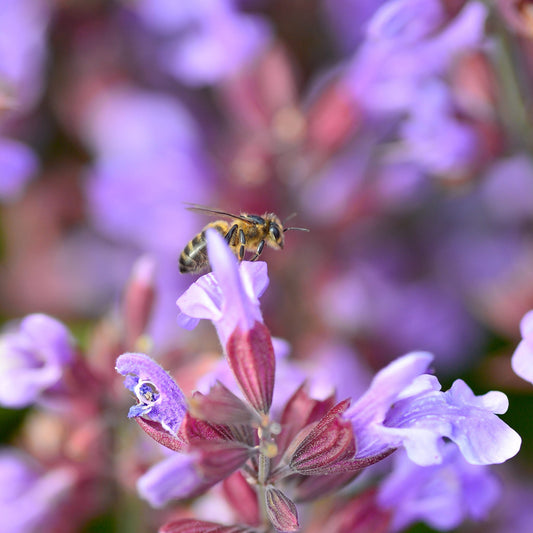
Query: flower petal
<point x="159" y="397"/>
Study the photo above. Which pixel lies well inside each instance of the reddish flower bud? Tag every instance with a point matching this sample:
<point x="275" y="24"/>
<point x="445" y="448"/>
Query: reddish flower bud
<point x="325" y="446"/>
<point x="251" y="358"/>
<point x="221" y="406"/>
<point x="138" y="300"/>
<point x="242" y="498"/>
<point x="191" y="525"/>
<point x="281" y="511"/>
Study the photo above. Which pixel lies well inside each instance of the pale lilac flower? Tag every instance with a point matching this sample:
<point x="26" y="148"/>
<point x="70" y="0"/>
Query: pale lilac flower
<point x="434" y="138"/>
<point x="18" y="165"/>
<point x="442" y="495"/>
<point x="29" y="495"/>
<point x="204" y="41"/>
<point x="229" y="296"/>
<point x="507" y="189"/>
<point x="149" y="150"/>
<point x="389" y="69"/>
<point x="33" y="358"/>
<point x="404" y="406"/>
<point x="23" y="26"/>
<point x="522" y="359"/>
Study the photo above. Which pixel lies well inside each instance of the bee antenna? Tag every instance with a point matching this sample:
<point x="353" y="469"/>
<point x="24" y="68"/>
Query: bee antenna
<point x="299" y="229"/>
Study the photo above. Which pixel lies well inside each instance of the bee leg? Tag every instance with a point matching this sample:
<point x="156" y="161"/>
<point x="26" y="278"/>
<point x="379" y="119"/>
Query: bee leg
<point x="230" y="233"/>
<point x="258" y="251"/>
<point x="242" y="239"/>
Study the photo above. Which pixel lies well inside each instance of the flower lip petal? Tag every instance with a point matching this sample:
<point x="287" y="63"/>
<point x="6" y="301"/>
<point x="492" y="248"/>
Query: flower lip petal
<point x="159" y="397"/>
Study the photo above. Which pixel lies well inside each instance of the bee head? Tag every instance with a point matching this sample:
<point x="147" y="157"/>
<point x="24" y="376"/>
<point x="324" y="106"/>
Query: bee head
<point x="275" y="234"/>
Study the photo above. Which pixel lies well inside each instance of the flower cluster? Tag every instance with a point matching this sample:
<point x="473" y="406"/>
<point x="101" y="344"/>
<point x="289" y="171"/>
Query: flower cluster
<point x="307" y="447"/>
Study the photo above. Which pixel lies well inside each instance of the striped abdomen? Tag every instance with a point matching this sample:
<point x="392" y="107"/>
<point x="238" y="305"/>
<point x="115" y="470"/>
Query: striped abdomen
<point x="194" y="258"/>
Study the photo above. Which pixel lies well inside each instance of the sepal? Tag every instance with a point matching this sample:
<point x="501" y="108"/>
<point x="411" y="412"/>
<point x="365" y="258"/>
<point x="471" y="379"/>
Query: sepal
<point x="281" y="510"/>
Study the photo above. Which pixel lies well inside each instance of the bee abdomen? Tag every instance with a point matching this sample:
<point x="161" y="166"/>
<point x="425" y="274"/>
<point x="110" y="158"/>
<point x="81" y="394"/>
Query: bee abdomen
<point x="194" y="256"/>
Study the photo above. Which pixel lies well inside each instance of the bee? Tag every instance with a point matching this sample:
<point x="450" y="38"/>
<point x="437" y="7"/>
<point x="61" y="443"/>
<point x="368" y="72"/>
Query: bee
<point x="244" y="232"/>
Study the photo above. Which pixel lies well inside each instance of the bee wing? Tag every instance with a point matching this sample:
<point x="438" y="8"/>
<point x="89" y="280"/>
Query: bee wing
<point x="212" y="211"/>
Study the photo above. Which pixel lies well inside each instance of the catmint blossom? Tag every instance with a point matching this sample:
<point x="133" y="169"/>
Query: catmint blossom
<point x="33" y="358"/>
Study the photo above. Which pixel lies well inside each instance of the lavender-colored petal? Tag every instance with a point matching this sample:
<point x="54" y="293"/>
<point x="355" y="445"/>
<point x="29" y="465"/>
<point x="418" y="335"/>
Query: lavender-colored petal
<point x="442" y="495"/>
<point x="420" y="421"/>
<point x="32" y="359"/>
<point x="406" y="20"/>
<point x="159" y="397"/>
<point x="229" y="296"/>
<point x="368" y="413"/>
<point x="18" y="164"/>
<point x="522" y="361"/>
<point x="173" y="478"/>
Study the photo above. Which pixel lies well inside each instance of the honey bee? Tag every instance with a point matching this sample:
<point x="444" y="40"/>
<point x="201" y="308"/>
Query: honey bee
<point x="244" y="232"/>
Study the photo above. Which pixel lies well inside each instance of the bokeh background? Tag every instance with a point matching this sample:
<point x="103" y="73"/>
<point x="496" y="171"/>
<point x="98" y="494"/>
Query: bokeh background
<point x="399" y="132"/>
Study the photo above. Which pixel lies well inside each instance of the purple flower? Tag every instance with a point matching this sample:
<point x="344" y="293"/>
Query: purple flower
<point x="442" y="495"/>
<point x="18" y="164"/>
<point x="23" y="27"/>
<point x="33" y="359"/>
<point x="28" y="494"/>
<point x="205" y="41"/>
<point x="229" y="296"/>
<point x="405" y="407"/>
<point x="390" y="67"/>
<point x="158" y="396"/>
<point x="160" y="483"/>
<point x="522" y="360"/>
<point x="148" y="149"/>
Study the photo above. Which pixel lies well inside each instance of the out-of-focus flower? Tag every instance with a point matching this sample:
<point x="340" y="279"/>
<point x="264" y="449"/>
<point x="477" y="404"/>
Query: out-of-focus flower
<point x="29" y="495"/>
<point x="23" y="26"/>
<point x="205" y="41"/>
<point x="33" y="359"/>
<point x="18" y="165"/>
<point x="389" y="69"/>
<point x="522" y="360"/>
<point x="442" y="495"/>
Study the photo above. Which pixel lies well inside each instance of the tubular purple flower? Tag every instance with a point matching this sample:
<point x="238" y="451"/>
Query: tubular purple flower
<point x="33" y="359"/>
<point x="442" y="496"/>
<point x="522" y="359"/>
<point x="174" y="477"/>
<point x="159" y="397"/>
<point x="228" y="296"/>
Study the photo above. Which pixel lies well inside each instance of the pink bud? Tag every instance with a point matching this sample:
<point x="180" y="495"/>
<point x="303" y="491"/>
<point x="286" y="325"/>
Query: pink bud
<point x="281" y="511"/>
<point x="251" y="358"/>
<point x="191" y="525"/>
<point x="221" y="406"/>
<point x="328" y="444"/>
<point x="139" y="299"/>
<point x="242" y="498"/>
